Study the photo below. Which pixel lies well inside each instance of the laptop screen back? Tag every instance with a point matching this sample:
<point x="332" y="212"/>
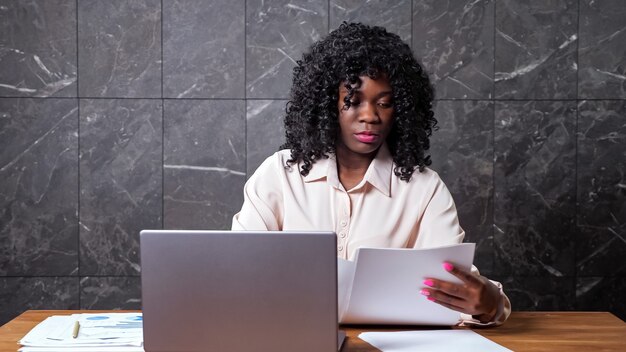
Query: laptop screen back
<point x="239" y="291"/>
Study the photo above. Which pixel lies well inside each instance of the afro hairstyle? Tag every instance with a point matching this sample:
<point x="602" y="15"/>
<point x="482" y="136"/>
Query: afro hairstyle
<point x="351" y="51"/>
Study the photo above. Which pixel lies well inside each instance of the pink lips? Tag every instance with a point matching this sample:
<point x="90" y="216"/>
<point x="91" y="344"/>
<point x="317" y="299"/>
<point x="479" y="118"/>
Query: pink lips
<point x="366" y="137"/>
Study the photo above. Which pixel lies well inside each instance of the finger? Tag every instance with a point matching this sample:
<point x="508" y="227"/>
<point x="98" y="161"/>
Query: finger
<point x="449" y="288"/>
<point x="465" y="276"/>
<point x="453" y="290"/>
<point x="447" y="305"/>
<point x="439" y="296"/>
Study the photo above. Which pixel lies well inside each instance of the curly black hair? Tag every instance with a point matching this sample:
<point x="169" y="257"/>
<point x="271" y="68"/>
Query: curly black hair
<point x="347" y="53"/>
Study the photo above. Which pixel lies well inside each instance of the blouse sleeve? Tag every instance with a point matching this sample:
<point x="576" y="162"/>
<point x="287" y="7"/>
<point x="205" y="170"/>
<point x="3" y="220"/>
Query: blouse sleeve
<point x="439" y="224"/>
<point x="262" y="208"/>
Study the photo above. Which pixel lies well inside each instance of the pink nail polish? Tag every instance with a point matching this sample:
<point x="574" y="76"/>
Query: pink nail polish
<point x="430" y="299"/>
<point x="448" y="266"/>
<point x="429" y="282"/>
<point x="425" y="293"/>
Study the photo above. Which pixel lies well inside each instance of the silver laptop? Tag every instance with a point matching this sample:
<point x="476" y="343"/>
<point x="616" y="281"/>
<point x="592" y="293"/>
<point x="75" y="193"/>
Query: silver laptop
<point x="239" y="291"/>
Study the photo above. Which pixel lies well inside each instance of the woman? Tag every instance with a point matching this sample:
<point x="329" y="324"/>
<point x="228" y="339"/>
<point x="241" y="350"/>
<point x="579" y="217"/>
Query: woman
<point x="358" y="124"/>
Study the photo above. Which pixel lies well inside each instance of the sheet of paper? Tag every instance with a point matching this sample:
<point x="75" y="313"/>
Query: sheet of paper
<point x="431" y="341"/>
<point x="81" y="349"/>
<point x="345" y="277"/>
<point x="96" y="330"/>
<point x="386" y="285"/>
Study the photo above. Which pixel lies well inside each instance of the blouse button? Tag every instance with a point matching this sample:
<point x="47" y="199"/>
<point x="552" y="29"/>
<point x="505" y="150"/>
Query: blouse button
<point x="340" y="248"/>
<point x="343" y="223"/>
<point x="342" y="234"/>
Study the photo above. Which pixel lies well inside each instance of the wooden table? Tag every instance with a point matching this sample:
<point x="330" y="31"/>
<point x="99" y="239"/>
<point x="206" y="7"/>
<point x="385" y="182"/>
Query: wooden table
<point x="524" y="331"/>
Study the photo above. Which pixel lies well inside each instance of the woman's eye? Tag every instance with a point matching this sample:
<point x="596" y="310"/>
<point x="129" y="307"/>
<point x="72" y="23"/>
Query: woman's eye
<point x="385" y="105"/>
<point x="350" y="105"/>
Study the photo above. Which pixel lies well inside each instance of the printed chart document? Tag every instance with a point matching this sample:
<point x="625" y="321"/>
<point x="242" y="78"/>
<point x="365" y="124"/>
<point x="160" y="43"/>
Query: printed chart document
<point x="119" y="332"/>
<point x="382" y="286"/>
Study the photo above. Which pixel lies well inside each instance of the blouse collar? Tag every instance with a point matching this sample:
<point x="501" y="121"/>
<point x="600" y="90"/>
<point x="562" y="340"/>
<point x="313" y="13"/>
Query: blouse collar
<point x="378" y="173"/>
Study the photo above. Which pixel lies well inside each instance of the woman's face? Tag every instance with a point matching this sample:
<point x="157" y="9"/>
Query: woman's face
<point x="366" y="124"/>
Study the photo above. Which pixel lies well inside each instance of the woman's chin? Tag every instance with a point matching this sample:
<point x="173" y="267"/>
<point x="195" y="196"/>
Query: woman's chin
<point x="365" y="148"/>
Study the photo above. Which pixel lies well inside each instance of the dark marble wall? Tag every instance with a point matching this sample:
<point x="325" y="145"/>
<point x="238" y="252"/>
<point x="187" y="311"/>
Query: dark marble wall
<point x="121" y="115"/>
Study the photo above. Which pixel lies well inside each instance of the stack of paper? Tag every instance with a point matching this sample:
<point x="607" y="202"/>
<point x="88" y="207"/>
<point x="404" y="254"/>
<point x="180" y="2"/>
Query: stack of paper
<point x="382" y="285"/>
<point x="106" y="332"/>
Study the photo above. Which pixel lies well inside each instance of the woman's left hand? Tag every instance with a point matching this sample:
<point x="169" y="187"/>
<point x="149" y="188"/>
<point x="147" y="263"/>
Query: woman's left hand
<point x="476" y="295"/>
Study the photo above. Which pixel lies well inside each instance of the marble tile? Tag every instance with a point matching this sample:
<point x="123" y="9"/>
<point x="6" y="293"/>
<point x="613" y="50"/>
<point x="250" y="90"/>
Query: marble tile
<point x="204" y="163"/>
<point x="37" y="48"/>
<point x="395" y="16"/>
<point x="601" y="188"/>
<point x="602" y="294"/>
<point x="120" y="48"/>
<point x="454" y="40"/>
<point x="110" y="292"/>
<point x="535" y="52"/>
<point x="462" y="154"/>
<point x="534" y="184"/>
<point x="540" y="293"/>
<point x="120" y="182"/>
<point x="19" y="294"/>
<point x="277" y="33"/>
<point x="265" y="131"/>
<point x="600" y="250"/>
<point x="38" y="187"/>
<point x="602" y="53"/>
<point x="203" y="49"/>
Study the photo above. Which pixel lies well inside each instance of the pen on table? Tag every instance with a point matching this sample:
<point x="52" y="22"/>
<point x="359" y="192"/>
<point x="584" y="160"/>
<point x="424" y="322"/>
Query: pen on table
<point x="76" y="328"/>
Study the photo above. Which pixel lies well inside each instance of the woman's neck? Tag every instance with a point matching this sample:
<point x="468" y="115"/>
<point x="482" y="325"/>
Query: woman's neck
<point x="351" y="167"/>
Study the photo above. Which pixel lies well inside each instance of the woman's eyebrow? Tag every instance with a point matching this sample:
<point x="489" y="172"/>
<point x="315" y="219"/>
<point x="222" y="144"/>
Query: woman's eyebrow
<point x="385" y="93"/>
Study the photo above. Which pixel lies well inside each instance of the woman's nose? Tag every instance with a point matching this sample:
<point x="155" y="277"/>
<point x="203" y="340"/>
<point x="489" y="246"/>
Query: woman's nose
<point x="368" y="113"/>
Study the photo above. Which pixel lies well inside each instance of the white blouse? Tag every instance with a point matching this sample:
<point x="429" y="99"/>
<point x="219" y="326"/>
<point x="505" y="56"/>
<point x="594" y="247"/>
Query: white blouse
<point x="382" y="211"/>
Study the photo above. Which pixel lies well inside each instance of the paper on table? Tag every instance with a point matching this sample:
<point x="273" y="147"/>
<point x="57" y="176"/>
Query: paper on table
<point x="96" y="330"/>
<point x="383" y="285"/>
<point x="431" y="341"/>
<point x="82" y="349"/>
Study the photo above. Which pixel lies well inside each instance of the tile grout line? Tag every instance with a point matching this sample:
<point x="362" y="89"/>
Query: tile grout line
<point x="493" y="144"/>
<point x="576" y="212"/>
<point x="265" y="98"/>
<point x="245" y="83"/>
<point x="162" y="129"/>
<point x="78" y="160"/>
<point x="411" y="28"/>
<point x="138" y="276"/>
